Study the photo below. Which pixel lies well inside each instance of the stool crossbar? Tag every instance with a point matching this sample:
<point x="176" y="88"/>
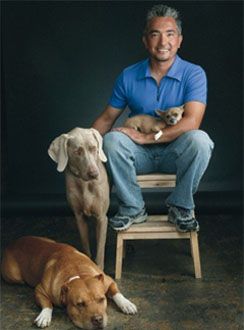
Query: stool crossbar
<point x="156" y="226"/>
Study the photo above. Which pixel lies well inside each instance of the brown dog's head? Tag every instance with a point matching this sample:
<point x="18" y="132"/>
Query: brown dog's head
<point x="86" y="302"/>
<point x="171" y="116"/>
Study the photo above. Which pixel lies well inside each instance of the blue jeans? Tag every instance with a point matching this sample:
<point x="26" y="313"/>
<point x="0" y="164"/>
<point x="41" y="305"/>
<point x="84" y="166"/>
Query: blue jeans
<point x="187" y="157"/>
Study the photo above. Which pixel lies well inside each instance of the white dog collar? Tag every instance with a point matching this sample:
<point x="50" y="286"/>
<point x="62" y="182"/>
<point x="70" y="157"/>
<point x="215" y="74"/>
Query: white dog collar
<point x="73" y="278"/>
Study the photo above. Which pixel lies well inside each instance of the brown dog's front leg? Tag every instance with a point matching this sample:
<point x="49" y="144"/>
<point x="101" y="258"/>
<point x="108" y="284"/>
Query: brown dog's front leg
<point x="84" y="233"/>
<point x="123" y="303"/>
<point x="101" y="234"/>
<point x="44" y="318"/>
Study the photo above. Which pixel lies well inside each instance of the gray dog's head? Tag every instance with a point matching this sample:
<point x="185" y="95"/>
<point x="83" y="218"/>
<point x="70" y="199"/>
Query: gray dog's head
<point x="80" y="150"/>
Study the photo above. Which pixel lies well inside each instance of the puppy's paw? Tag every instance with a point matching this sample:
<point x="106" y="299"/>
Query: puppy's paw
<point x="124" y="304"/>
<point x="44" y="318"/>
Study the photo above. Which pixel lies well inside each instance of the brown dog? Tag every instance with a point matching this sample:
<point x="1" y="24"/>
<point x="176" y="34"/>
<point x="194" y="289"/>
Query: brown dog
<point x="62" y="275"/>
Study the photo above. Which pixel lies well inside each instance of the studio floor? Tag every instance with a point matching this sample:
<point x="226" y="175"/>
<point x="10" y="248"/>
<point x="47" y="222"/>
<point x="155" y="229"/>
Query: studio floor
<point x="157" y="276"/>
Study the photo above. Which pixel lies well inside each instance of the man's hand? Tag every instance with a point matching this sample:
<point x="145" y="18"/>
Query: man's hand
<point x="137" y="137"/>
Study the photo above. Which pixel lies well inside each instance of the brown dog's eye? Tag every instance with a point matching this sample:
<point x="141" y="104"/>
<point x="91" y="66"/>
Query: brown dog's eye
<point x="101" y="300"/>
<point x="81" y="304"/>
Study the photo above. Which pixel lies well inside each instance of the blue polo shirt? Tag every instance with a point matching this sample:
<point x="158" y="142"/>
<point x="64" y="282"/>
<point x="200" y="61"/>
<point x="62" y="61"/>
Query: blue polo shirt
<point x="137" y="89"/>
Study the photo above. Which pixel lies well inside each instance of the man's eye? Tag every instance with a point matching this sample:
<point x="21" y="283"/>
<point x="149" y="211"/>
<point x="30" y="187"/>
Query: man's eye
<point x="153" y="34"/>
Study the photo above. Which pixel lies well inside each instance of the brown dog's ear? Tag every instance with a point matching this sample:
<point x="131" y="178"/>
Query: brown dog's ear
<point x="63" y="294"/>
<point x="100" y="277"/>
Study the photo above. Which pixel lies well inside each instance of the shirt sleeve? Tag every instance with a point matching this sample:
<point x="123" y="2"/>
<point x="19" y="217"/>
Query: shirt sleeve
<point x="118" y="98"/>
<point x="196" y="88"/>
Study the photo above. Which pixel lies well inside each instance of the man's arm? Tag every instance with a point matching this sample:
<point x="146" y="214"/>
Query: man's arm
<point x="106" y="120"/>
<point x="193" y="115"/>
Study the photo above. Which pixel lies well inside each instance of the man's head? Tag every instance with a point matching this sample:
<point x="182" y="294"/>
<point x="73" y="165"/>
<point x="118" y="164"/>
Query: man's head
<point x="162" y="34"/>
<point x="163" y="11"/>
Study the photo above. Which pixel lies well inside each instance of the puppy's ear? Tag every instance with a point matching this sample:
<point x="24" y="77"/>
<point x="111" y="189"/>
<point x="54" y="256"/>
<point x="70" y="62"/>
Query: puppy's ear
<point x="181" y="108"/>
<point x="99" y="139"/>
<point x="58" y="151"/>
<point x="160" y="113"/>
<point x="63" y="295"/>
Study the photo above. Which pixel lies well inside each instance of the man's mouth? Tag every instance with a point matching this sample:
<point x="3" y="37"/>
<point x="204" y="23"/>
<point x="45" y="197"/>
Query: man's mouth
<point x="163" y="51"/>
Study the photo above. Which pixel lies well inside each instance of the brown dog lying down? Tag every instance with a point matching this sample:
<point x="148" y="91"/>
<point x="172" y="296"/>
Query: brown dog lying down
<point x="149" y="124"/>
<point x="62" y="275"/>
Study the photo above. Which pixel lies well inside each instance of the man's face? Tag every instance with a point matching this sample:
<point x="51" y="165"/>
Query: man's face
<point x="162" y="39"/>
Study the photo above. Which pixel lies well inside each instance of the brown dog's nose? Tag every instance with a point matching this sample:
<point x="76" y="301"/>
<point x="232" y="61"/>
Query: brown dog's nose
<point x="97" y="320"/>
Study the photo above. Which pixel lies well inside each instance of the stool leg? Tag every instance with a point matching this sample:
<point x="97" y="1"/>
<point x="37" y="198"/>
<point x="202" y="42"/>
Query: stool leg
<point x="119" y="256"/>
<point x="124" y="249"/>
<point x="195" y="254"/>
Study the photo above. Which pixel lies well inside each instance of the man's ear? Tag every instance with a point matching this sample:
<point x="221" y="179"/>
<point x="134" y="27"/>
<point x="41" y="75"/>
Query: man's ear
<point x="180" y="41"/>
<point x="144" y="40"/>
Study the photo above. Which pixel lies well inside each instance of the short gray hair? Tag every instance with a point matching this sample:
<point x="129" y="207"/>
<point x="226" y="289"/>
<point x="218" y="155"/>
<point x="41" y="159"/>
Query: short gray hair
<point x="164" y="11"/>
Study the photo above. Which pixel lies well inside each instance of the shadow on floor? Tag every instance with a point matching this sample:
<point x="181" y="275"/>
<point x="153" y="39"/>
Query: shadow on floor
<point x="157" y="276"/>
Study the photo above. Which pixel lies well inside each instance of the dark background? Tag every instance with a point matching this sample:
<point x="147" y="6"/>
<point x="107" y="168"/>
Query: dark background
<point x="59" y="62"/>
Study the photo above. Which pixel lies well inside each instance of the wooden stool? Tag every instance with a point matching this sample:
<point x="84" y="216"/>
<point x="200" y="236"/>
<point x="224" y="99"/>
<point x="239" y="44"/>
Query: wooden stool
<point x="156" y="226"/>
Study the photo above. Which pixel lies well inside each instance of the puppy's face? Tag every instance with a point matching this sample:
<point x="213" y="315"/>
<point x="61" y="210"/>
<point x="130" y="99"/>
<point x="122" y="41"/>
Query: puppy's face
<point x="86" y="302"/>
<point x="171" y="116"/>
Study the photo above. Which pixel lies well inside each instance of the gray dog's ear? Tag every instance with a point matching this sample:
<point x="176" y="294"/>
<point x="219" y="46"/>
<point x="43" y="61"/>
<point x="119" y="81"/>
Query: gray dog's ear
<point x="99" y="139"/>
<point x="58" y="151"/>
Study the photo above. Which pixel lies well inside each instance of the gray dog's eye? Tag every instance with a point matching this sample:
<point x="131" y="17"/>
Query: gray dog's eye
<point x="78" y="151"/>
<point x="92" y="148"/>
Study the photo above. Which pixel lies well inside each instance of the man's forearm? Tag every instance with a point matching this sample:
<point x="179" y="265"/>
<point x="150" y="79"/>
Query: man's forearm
<point x="101" y="126"/>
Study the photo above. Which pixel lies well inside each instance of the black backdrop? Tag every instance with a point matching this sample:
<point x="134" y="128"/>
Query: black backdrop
<point x="59" y="63"/>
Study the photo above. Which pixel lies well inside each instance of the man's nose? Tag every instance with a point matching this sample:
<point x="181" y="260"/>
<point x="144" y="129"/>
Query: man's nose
<point x="163" y="39"/>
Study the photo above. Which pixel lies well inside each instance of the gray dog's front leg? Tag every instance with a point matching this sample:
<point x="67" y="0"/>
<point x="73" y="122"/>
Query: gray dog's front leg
<point x="101" y="233"/>
<point x="84" y="233"/>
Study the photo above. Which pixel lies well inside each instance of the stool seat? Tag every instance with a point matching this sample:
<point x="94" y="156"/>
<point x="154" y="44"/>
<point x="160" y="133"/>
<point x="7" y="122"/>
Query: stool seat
<point x="156" y="226"/>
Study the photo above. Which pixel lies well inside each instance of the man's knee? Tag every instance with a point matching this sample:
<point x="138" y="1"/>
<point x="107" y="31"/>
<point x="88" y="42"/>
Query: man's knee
<point x="114" y="142"/>
<point x="199" y="142"/>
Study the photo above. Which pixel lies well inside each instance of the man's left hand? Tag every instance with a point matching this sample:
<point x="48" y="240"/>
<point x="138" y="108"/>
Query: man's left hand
<point x="137" y="137"/>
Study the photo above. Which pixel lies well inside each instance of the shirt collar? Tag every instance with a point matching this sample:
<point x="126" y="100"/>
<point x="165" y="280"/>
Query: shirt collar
<point x="174" y="72"/>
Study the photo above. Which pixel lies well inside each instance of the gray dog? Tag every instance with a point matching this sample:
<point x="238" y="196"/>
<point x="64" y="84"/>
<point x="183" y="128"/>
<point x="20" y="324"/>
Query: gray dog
<point x="80" y="154"/>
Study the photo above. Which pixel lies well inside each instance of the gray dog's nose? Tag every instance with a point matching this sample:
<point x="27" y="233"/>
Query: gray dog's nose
<point x="93" y="173"/>
<point x="97" y="320"/>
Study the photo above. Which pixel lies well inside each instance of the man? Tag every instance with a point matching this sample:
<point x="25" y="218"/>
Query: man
<point x="160" y="82"/>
